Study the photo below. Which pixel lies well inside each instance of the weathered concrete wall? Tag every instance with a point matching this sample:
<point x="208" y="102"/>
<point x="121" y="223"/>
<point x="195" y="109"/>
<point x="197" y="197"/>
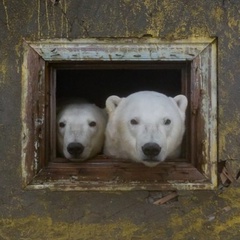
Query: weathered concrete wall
<point x="74" y="215"/>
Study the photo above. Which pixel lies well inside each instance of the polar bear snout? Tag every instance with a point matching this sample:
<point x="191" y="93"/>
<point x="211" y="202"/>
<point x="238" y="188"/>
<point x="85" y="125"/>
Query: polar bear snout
<point x="146" y="127"/>
<point x="80" y="130"/>
<point x="75" y="149"/>
<point x="151" y="149"/>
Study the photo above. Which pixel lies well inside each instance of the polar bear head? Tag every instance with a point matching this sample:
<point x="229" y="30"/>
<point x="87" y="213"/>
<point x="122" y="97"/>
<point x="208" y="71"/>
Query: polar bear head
<point x="146" y="127"/>
<point x="80" y="131"/>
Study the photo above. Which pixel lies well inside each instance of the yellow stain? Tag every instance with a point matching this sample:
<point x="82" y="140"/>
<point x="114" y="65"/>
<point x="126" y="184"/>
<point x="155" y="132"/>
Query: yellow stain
<point x="3" y="71"/>
<point x="34" y="227"/>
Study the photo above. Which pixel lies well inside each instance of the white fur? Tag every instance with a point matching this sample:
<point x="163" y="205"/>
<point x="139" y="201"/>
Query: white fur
<point x="77" y="117"/>
<point x="151" y="111"/>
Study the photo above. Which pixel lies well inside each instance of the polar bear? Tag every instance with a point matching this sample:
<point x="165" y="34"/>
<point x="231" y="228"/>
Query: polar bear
<point x="80" y="130"/>
<point x="146" y="127"/>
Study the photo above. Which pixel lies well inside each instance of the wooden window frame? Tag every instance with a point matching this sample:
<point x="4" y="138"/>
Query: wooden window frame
<point x="198" y="58"/>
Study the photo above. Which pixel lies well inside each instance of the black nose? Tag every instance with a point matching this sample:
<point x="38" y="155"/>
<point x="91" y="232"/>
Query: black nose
<point x="151" y="149"/>
<point x="75" y="148"/>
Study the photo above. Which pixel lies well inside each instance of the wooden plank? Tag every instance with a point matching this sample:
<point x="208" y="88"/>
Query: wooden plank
<point x="118" y="172"/>
<point x="120" y="49"/>
<point x="33" y="110"/>
<point x="166" y="198"/>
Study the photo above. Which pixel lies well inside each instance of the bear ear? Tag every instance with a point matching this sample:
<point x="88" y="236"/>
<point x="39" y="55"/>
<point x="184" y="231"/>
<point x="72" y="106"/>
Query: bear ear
<point x="182" y="102"/>
<point x="112" y="103"/>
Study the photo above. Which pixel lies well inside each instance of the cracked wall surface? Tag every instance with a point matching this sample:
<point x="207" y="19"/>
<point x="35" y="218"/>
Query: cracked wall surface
<point x="61" y="215"/>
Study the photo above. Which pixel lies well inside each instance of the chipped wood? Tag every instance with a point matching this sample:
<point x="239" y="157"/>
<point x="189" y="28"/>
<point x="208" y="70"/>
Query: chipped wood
<point x="33" y="109"/>
<point x="226" y="173"/>
<point x="199" y="171"/>
<point x="114" y="174"/>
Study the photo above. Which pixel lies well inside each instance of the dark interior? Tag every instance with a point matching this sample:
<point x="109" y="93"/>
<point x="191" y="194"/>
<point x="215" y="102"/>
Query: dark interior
<point x="95" y="85"/>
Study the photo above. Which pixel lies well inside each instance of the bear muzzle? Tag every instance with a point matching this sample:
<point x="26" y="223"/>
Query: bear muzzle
<point x="151" y="150"/>
<point x="75" y="149"/>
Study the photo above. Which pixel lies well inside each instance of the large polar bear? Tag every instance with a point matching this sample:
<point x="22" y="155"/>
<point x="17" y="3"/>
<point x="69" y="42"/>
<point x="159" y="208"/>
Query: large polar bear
<point x="80" y="130"/>
<point x="146" y="127"/>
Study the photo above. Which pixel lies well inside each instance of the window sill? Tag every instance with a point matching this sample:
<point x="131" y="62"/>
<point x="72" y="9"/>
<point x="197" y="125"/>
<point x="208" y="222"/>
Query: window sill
<point x="103" y="173"/>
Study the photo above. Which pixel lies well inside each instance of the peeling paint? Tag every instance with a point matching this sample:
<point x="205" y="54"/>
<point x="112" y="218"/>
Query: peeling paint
<point x="47" y="16"/>
<point x="3" y="71"/>
<point x="64" y="20"/>
<point x="202" y="53"/>
<point x="149" y="49"/>
<point x="38" y="19"/>
<point x="25" y="131"/>
<point x="6" y="14"/>
<point x="37" y="214"/>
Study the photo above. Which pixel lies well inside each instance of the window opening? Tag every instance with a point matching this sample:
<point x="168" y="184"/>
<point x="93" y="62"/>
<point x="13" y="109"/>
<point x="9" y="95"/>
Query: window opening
<point x="55" y="70"/>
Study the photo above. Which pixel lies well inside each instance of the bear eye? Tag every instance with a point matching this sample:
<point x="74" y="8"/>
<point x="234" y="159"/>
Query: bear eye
<point x="92" y="124"/>
<point x="167" y="121"/>
<point x="134" y="122"/>
<point x="62" y="124"/>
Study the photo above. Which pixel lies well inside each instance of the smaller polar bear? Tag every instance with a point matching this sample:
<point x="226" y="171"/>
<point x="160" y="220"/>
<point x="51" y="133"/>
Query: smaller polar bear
<point x="145" y="127"/>
<point x="80" y="130"/>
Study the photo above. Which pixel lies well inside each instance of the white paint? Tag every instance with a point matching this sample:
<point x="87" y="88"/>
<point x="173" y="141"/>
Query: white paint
<point x="146" y="49"/>
<point x="120" y="49"/>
